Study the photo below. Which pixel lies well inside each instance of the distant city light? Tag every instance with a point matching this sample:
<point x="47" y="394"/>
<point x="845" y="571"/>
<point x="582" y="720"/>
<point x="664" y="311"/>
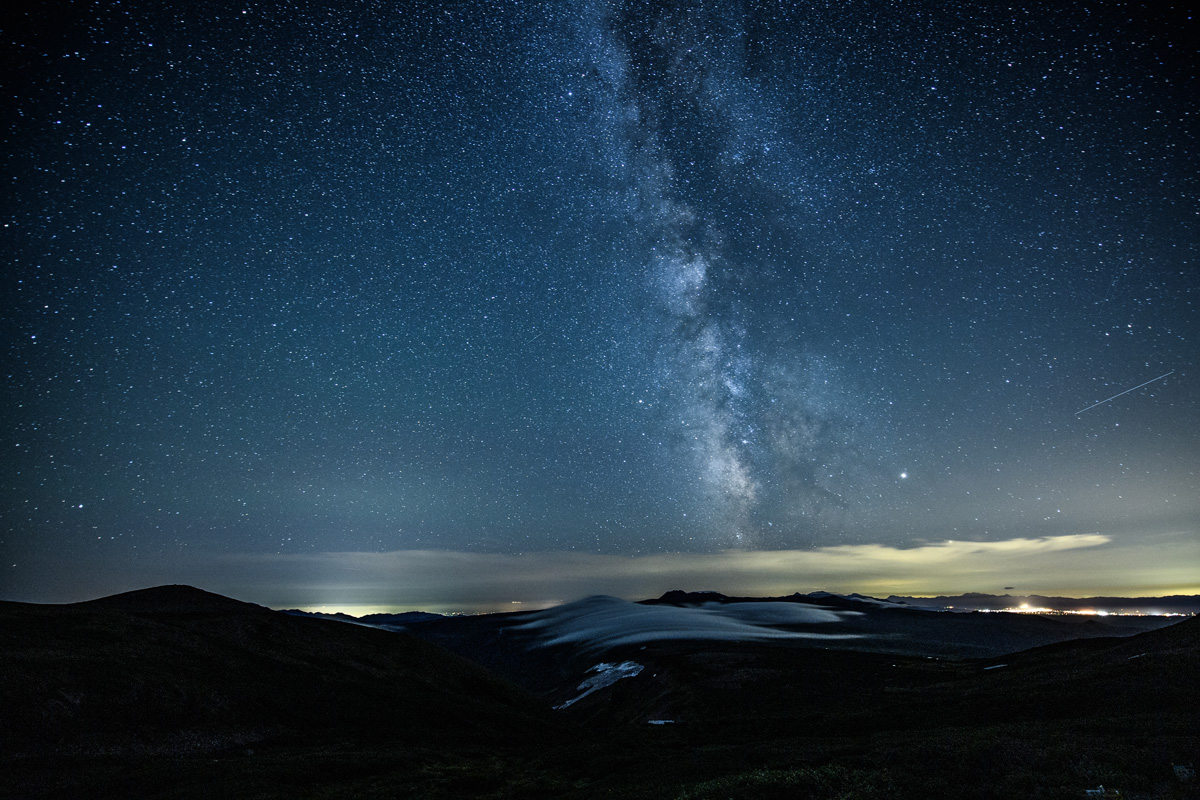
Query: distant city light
<point x="1025" y="608"/>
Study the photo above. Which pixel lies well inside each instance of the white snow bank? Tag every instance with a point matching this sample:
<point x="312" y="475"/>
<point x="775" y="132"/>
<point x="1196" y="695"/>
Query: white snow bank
<point x="606" y="675"/>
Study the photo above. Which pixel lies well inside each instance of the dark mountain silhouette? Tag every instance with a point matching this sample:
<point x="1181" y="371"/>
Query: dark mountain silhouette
<point x="176" y="692"/>
<point x="173" y="599"/>
<point x="388" y="621"/>
<point x="1171" y="604"/>
<point x="680" y="597"/>
<point x="177" y="670"/>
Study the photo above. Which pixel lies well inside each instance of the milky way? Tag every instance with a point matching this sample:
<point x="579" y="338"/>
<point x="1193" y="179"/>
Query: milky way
<point x="602" y="277"/>
<point x="755" y="429"/>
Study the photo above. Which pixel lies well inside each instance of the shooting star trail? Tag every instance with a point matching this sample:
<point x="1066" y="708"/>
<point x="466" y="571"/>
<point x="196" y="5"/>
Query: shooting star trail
<point x="1127" y="391"/>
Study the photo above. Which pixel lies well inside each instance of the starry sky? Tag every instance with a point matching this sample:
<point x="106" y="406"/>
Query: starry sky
<point x="451" y="304"/>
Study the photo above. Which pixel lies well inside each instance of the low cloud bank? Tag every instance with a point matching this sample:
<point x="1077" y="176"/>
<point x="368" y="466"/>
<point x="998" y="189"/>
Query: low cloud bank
<point x="437" y="580"/>
<point x="602" y="622"/>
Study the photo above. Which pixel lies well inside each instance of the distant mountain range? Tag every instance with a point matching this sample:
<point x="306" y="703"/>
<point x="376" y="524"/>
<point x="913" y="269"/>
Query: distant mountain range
<point x="385" y="621"/>
<point x="1174" y="604"/>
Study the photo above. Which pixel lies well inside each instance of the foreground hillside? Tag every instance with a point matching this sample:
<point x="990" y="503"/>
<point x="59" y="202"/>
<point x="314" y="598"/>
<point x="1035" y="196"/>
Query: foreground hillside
<point x="174" y="692"/>
<point x="161" y="677"/>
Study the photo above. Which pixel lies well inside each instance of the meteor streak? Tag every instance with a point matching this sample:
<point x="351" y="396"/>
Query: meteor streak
<point x="1127" y="391"/>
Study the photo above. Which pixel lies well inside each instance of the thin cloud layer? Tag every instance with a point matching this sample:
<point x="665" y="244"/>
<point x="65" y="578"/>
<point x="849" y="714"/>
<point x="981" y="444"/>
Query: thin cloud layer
<point x="447" y="581"/>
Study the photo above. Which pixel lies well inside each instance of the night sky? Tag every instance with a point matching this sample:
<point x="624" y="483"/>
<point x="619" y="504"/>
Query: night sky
<point x="453" y="304"/>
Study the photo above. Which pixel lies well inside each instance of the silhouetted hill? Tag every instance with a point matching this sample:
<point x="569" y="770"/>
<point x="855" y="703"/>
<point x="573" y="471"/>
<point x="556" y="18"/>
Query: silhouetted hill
<point x="172" y="599"/>
<point x="177" y="669"/>
<point x="680" y="597"/>
<point x="1184" y="635"/>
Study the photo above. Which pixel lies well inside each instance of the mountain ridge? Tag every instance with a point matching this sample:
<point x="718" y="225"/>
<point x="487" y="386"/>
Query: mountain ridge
<point x="1168" y="604"/>
<point x="193" y="694"/>
<point x="178" y="669"/>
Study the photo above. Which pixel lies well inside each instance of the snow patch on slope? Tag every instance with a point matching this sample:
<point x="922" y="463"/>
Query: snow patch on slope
<point x="606" y="675"/>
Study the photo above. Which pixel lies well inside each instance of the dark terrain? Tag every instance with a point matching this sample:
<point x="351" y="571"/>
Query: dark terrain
<point x="175" y="692"/>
